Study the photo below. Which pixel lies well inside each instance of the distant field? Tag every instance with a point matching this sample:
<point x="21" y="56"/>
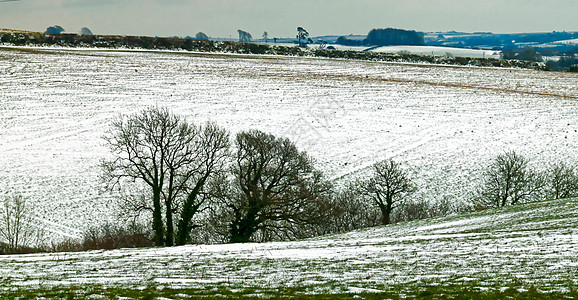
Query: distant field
<point x="440" y="51"/>
<point x="444" y="122"/>
<point x="418" y="50"/>
<point x="528" y="251"/>
<point x="567" y="42"/>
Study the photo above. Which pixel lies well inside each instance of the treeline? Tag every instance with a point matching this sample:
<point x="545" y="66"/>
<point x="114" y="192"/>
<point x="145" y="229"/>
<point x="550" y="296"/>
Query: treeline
<point x="180" y="183"/>
<point x="386" y="37"/>
<point x="568" y="62"/>
<point x="414" y="58"/>
<point x="158" y="43"/>
<point x="504" y="41"/>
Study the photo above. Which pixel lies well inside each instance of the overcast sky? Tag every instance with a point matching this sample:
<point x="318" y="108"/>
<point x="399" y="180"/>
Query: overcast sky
<point x="222" y="18"/>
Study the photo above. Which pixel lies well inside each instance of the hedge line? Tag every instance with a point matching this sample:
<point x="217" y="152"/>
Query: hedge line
<point x="162" y="43"/>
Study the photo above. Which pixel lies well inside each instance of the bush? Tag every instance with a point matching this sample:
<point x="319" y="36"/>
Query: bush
<point x="423" y="209"/>
<point x="110" y="236"/>
<point x="347" y="211"/>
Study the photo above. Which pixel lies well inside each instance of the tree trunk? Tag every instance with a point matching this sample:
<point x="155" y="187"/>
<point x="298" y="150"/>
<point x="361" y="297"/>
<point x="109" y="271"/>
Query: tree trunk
<point x="190" y="208"/>
<point x="385" y="214"/>
<point x="169" y="240"/>
<point x="157" y="218"/>
<point x="243" y="229"/>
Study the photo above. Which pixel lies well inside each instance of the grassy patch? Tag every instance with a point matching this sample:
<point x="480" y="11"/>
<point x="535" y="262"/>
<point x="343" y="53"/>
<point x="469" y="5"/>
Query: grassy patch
<point x="154" y="292"/>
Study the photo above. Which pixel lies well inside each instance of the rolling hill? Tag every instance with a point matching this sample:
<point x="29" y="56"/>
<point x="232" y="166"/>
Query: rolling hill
<point x="528" y="251"/>
<point x="444" y="122"/>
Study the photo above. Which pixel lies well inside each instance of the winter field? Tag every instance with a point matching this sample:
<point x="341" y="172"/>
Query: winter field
<point x="440" y="51"/>
<point x="418" y="50"/>
<point x="443" y="122"/>
<point x="529" y="248"/>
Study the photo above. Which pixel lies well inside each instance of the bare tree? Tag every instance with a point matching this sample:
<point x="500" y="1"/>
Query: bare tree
<point x="275" y="189"/>
<point x="388" y="187"/>
<point x="211" y="154"/>
<point x="417" y="209"/>
<point x="265" y="36"/>
<point x="562" y="181"/>
<point x="171" y="157"/>
<point x="16" y="224"/>
<point x="508" y="180"/>
<point x="346" y="210"/>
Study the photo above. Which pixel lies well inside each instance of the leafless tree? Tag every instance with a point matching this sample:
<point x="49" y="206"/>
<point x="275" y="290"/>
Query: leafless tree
<point x="417" y="209"/>
<point x="562" y="181"/>
<point x="388" y="187"/>
<point x="265" y="36"/>
<point x="211" y="150"/>
<point x="17" y="228"/>
<point x="172" y="157"/>
<point x="508" y="180"/>
<point x="345" y="211"/>
<point x="275" y="189"/>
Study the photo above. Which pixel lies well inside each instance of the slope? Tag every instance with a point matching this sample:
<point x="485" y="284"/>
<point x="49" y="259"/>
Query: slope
<point x="445" y="123"/>
<point x="524" y="247"/>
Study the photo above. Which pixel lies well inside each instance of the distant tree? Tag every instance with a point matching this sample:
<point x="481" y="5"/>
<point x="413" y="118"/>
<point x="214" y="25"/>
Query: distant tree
<point x="508" y="54"/>
<point x="200" y="36"/>
<point x="265" y="36"/>
<point x="508" y="180"/>
<point x="388" y="187"/>
<point x="391" y="36"/>
<point x="530" y="54"/>
<point x="562" y="181"/>
<point x="347" y="42"/>
<point x="302" y="36"/>
<point x="172" y="158"/>
<point x="54" y="29"/>
<point x="85" y="31"/>
<point x="244" y="37"/>
<point x="276" y="189"/>
<point x="564" y="63"/>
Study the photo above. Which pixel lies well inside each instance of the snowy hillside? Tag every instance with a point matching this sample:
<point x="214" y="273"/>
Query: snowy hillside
<point x="440" y="51"/>
<point x="532" y="245"/>
<point x="443" y="122"/>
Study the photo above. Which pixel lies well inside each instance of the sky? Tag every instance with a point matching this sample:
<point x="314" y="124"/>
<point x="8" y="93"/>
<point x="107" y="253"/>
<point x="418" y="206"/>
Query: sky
<point x="222" y="18"/>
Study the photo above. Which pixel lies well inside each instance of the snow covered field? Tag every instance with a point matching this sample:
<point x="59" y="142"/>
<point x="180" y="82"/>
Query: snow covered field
<point x="567" y="42"/>
<point x="444" y="122"/>
<point x="519" y="247"/>
<point x="440" y="51"/>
